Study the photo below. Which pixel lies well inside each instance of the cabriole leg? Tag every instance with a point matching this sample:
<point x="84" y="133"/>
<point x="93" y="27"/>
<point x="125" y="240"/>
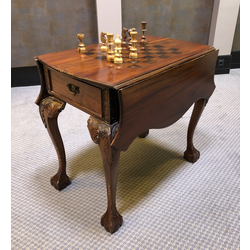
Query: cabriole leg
<point x="192" y="154"/>
<point x="102" y="135"/>
<point x="49" y="108"/>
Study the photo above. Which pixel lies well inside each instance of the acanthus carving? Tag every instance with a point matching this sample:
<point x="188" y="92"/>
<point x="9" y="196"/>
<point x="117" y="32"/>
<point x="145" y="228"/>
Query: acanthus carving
<point x="100" y="130"/>
<point x="52" y="106"/>
<point x="97" y="129"/>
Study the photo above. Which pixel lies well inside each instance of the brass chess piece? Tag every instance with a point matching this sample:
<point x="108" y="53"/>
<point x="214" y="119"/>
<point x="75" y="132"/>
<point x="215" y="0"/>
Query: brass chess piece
<point x="81" y="47"/>
<point x="118" y="49"/>
<point x="133" y="49"/>
<point x="143" y="37"/>
<point x="124" y="37"/>
<point x="103" y="37"/>
<point x="129" y="38"/>
<point x="110" y="56"/>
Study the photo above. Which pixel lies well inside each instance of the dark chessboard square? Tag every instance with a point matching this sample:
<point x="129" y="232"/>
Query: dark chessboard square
<point x="176" y="52"/>
<point x="147" y="49"/>
<point x="88" y="53"/>
<point x="134" y="66"/>
<point x="173" y="49"/>
<point x="101" y="58"/>
<point x="148" y="52"/>
<point x="161" y="53"/>
<point x="158" y="46"/>
<point x="147" y="57"/>
<point x="149" y="61"/>
<point x="163" y="56"/>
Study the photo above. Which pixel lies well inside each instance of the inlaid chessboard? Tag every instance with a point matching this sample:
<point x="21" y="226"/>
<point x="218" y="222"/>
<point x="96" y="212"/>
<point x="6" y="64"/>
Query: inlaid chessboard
<point x="158" y="54"/>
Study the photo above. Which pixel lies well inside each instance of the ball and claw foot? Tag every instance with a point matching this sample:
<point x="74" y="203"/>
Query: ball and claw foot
<point x="111" y="221"/>
<point x="60" y="183"/>
<point x="144" y="134"/>
<point x="192" y="155"/>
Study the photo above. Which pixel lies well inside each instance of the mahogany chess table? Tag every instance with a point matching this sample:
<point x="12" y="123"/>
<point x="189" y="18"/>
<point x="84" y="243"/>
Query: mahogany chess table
<point x="125" y="100"/>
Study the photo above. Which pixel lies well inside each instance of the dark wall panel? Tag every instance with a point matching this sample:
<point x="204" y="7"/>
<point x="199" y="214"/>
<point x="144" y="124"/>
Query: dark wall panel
<point x="180" y="19"/>
<point x="45" y="26"/>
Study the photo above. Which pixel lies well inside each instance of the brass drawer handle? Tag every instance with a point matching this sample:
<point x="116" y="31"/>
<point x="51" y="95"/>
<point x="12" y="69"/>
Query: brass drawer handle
<point x="73" y="89"/>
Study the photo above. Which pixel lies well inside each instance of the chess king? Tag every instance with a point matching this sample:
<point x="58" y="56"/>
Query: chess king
<point x="133" y="49"/>
<point x="110" y="55"/>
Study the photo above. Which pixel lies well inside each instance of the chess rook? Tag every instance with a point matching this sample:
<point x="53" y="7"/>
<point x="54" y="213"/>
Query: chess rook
<point x="143" y="37"/>
<point x="81" y="47"/>
<point x="133" y="49"/>
<point x="110" y="55"/>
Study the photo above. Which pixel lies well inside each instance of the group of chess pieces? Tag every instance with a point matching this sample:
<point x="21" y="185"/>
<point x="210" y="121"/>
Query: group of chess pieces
<point x="128" y="42"/>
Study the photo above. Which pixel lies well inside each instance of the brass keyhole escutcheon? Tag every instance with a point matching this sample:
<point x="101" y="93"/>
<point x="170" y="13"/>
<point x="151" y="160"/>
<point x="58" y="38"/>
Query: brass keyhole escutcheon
<point x="73" y="89"/>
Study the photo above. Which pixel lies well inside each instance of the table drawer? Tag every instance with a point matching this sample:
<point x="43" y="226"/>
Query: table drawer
<point x="76" y="93"/>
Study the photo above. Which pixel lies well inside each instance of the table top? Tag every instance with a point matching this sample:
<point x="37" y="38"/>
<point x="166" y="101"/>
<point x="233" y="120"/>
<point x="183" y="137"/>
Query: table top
<point x="158" y="55"/>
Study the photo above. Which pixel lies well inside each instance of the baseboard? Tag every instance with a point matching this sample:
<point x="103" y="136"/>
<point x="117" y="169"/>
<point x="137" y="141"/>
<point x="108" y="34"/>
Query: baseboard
<point x="227" y="62"/>
<point x="24" y="76"/>
<point x="235" y="63"/>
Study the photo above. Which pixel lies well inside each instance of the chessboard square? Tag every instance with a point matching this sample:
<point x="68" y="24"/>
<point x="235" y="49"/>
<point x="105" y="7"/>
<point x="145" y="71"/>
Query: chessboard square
<point x="134" y="66"/>
<point x="88" y="53"/>
<point x="161" y="53"/>
<point x="149" y="61"/>
<point x="147" y="57"/>
<point x="164" y="56"/>
<point x="124" y="53"/>
<point x="176" y="52"/>
<point x="101" y="58"/>
<point x="100" y="54"/>
<point x="173" y="49"/>
<point x="147" y="49"/>
<point x="158" y="46"/>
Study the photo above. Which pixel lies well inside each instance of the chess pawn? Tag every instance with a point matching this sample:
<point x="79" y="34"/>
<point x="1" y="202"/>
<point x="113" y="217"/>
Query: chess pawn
<point x="143" y="37"/>
<point x="118" y="48"/>
<point x="110" y="56"/>
<point x="103" y="37"/>
<point x="133" y="40"/>
<point x="81" y="47"/>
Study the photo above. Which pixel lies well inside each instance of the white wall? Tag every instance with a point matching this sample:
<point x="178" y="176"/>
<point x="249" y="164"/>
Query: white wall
<point x="223" y="25"/>
<point x="109" y="17"/>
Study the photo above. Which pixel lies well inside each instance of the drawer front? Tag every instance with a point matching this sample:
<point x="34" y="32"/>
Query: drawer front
<point x="76" y="93"/>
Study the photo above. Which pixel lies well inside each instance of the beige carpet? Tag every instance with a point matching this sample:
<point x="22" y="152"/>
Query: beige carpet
<point x="166" y="202"/>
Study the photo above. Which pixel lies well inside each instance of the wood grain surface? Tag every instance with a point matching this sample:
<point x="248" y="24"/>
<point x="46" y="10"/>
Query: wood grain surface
<point x="94" y="68"/>
<point x="159" y="101"/>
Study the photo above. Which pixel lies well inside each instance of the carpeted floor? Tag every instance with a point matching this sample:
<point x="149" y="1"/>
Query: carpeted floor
<point x="166" y="202"/>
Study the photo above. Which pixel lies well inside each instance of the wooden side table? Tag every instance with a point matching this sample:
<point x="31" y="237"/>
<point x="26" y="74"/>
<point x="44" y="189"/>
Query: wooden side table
<point x="125" y="100"/>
